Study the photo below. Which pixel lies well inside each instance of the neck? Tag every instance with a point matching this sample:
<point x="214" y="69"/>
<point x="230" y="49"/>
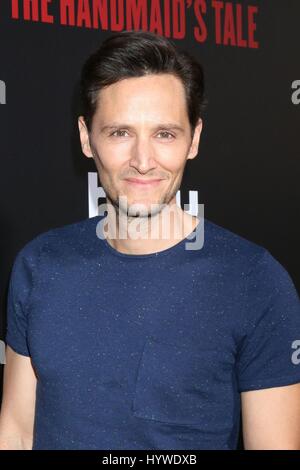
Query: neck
<point x="145" y="235"/>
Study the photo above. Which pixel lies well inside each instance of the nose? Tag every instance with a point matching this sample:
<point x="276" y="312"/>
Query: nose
<point x="142" y="155"/>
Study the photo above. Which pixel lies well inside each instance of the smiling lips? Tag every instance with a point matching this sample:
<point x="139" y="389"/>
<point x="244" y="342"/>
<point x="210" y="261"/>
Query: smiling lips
<point x="141" y="182"/>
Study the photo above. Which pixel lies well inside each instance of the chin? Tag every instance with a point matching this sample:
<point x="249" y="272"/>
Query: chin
<point x="141" y="209"/>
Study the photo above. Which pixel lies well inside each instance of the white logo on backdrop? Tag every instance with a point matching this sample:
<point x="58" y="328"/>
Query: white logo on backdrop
<point x="2" y="92"/>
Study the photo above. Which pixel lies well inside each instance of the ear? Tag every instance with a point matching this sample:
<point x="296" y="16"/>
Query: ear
<point x="196" y="139"/>
<point x="84" y="138"/>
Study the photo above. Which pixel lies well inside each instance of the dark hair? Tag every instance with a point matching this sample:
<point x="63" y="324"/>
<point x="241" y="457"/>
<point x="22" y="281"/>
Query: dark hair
<point x="134" y="54"/>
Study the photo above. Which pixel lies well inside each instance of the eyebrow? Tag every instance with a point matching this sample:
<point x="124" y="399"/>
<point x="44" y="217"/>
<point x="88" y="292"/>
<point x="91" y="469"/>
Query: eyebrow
<point x="168" y="125"/>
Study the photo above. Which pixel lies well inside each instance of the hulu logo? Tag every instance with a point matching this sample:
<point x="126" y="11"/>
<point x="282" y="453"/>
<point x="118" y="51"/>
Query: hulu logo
<point x="2" y="92"/>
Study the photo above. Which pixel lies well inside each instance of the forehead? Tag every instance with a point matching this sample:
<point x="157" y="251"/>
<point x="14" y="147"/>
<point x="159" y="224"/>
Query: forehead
<point x="156" y="96"/>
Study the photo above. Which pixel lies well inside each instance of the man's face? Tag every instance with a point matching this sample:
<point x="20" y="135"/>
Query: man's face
<point x="141" y="131"/>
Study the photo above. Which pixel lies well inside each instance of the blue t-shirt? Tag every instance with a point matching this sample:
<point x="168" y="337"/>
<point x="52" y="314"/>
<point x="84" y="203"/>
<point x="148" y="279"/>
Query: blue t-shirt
<point x="149" y="351"/>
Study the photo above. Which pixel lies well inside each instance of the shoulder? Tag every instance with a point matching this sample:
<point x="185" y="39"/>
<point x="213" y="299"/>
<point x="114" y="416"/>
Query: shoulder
<point x="233" y="249"/>
<point x="244" y="258"/>
<point x="61" y="240"/>
<point x="222" y="238"/>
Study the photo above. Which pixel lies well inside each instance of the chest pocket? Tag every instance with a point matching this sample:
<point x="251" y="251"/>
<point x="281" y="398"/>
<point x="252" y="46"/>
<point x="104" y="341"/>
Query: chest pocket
<point x="178" y="385"/>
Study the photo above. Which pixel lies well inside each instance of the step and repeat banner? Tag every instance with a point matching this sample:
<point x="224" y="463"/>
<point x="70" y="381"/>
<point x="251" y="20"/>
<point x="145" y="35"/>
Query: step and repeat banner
<point x="246" y="173"/>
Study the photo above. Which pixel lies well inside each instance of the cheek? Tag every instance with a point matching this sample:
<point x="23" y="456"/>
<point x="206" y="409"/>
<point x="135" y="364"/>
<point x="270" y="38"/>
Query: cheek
<point x="110" y="159"/>
<point x="171" y="155"/>
<point x="115" y="157"/>
<point x="173" y="161"/>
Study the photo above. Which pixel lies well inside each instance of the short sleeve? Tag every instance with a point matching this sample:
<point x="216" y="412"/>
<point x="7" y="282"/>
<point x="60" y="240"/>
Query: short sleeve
<point x="20" y="286"/>
<point x="269" y="355"/>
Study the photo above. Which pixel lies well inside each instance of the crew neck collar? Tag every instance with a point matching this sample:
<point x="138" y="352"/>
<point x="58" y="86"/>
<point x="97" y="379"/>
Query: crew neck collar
<point x="157" y="254"/>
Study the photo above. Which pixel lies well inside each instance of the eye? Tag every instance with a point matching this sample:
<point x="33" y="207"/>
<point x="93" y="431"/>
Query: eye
<point x="168" y="133"/>
<point x="118" y="131"/>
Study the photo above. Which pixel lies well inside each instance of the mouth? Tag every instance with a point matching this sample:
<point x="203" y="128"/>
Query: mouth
<point x="143" y="182"/>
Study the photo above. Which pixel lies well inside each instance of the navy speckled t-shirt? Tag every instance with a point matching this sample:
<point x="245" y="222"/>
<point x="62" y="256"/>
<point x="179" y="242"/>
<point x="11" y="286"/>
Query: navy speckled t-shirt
<point x="149" y="351"/>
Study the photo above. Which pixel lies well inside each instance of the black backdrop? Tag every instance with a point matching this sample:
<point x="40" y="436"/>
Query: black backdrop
<point x="247" y="171"/>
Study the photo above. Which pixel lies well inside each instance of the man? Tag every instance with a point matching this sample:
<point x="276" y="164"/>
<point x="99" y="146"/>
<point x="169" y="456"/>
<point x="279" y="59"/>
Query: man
<point x="118" y="339"/>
